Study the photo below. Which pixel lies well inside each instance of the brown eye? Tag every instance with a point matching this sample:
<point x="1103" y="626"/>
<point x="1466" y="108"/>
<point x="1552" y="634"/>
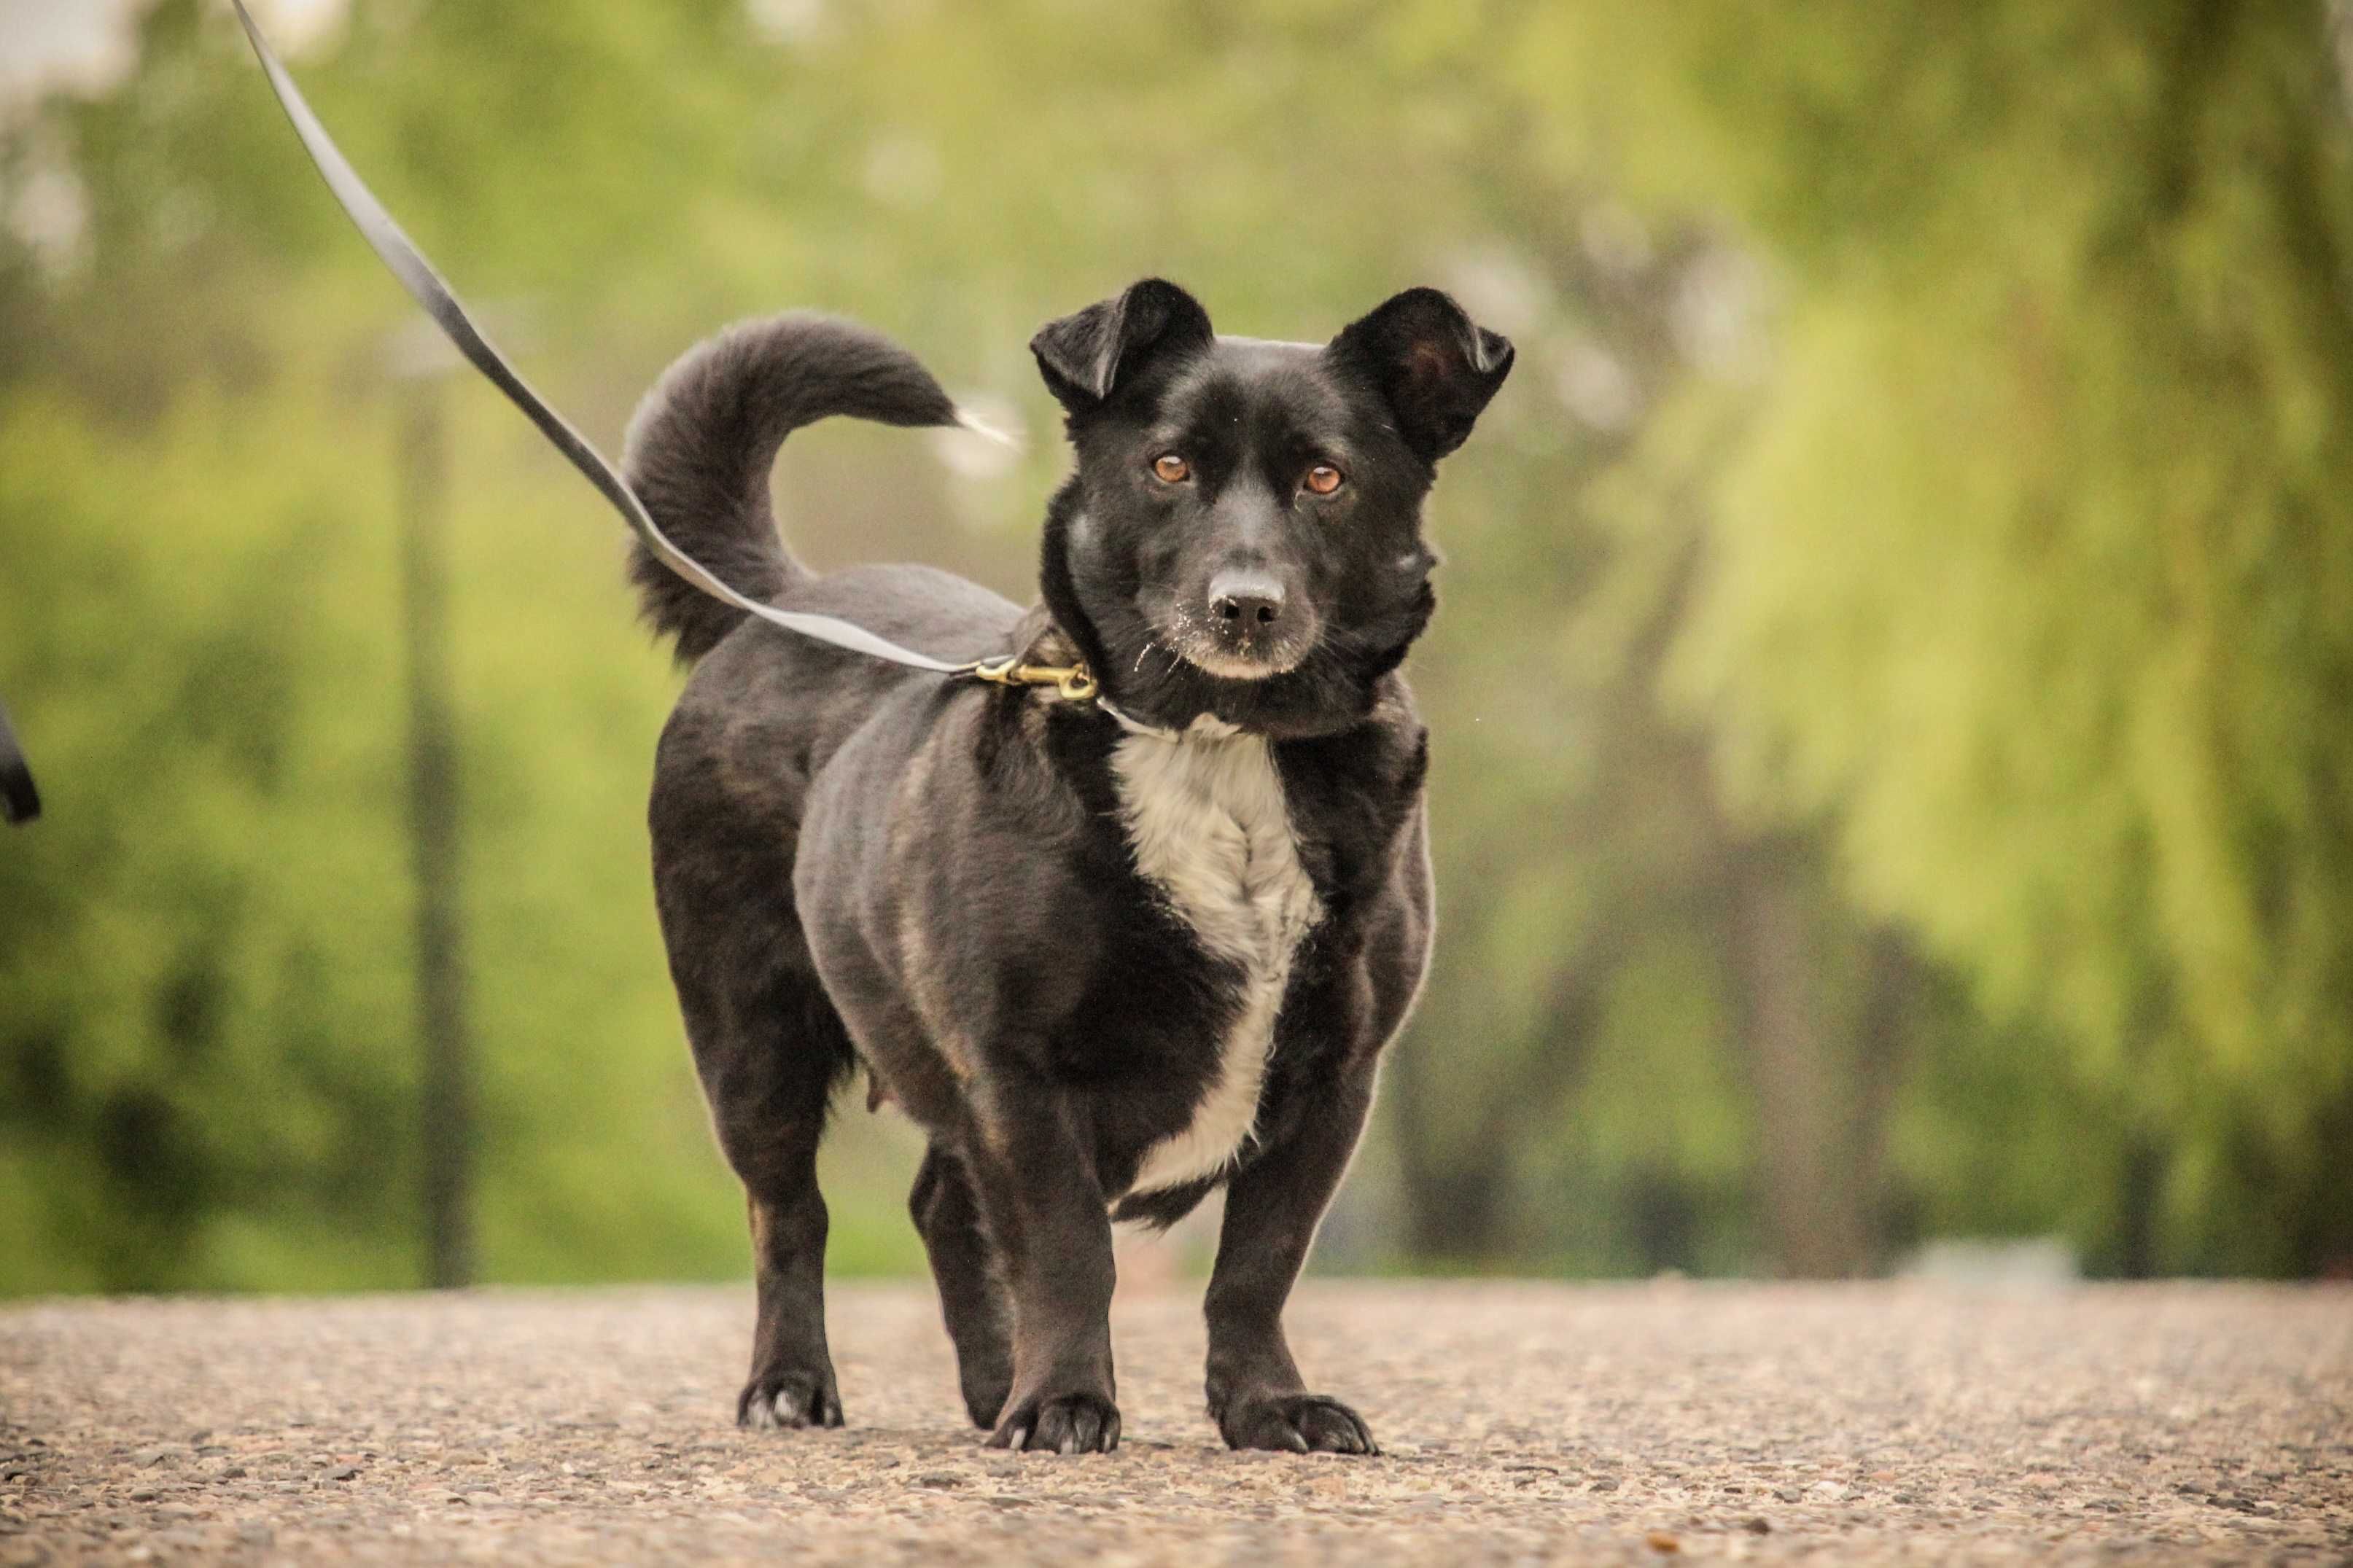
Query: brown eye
<point x="1172" y="469"/>
<point x="1323" y="478"/>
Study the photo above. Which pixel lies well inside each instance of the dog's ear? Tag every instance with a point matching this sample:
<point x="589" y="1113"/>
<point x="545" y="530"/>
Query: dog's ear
<point x="1083" y="357"/>
<point x="1434" y="366"/>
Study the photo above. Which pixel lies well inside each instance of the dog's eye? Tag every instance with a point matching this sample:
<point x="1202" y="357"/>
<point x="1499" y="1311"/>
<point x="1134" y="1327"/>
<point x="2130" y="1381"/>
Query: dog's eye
<point x="1324" y="478"/>
<point x="1171" y="468"/>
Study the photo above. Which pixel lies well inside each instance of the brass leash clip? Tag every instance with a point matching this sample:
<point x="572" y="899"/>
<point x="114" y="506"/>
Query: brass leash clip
<point x="1075" y="682"/>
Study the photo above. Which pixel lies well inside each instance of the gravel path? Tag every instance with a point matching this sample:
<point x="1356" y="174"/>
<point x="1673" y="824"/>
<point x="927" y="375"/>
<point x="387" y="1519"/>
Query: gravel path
<point x="1523" y="1422"/>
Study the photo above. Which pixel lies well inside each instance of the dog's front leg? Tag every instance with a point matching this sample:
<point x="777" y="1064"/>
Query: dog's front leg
<point x="1043" y="1206"/>
<point x="1273" y="1208"/>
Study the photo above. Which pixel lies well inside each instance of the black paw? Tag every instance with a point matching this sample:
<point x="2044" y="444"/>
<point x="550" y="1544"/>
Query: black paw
<point x="1296" y="1424"/>
<point x="1061" y="1423"/>
<point x="789" y="1398"/>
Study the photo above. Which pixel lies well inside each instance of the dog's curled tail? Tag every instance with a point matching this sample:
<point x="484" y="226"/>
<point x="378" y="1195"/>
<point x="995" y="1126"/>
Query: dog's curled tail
<point x="700" y="445"/>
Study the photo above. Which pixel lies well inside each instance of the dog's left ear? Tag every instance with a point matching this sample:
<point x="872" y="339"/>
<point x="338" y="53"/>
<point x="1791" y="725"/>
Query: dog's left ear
<point x="1085" y="357"/>
<point x="1436" y="366"/>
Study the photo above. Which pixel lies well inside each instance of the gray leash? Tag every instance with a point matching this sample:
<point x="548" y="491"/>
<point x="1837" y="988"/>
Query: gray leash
<point x="425" y="287"/>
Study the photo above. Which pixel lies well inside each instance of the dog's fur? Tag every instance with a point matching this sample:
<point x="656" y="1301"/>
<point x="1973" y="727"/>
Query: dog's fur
<point x="1108" y="958"/>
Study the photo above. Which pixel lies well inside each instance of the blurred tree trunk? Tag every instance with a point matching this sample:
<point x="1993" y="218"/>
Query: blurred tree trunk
<point x="2143" y="1184"/>
<point x="1823" y="1084"/>
<point x="1812" y="1221"/>
<point x="1461" y="1193"/>
<point x="1454" y="1195"/>
<point x="1895" y="985"/>
<point x="2317" y="1198"/>
<point x="434" y="810"/>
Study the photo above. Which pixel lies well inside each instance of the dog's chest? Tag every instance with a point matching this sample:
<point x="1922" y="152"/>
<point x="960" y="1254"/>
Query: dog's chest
<point x="1210" y="829"/>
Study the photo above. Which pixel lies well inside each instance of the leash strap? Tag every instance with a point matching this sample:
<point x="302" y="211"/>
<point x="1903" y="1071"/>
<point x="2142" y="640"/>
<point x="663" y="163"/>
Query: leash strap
<point x="19" y="801"/>
<point x="425" y="287"/>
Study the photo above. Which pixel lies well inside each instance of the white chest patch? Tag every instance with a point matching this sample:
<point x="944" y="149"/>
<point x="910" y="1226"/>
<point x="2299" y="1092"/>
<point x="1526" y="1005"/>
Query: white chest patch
<point x="1205" y="815"/>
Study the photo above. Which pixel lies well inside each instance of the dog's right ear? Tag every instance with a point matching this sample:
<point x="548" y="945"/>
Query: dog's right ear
<point x="1085" y="357"/>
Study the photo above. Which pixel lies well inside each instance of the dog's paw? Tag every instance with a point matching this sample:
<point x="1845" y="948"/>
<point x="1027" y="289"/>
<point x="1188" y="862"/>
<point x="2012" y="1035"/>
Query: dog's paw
<point x="789" y="1398"/>
<point x="1061" y="1423"/>
<point x="1296" y="1424"/>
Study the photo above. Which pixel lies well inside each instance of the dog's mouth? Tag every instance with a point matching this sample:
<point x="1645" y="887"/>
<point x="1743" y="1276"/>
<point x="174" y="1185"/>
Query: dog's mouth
<point x="1223" y="653"/>
<point x="1233" y="666"/>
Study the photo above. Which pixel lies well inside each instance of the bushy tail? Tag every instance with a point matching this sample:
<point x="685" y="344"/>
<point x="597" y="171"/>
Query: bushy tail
<point x="700" y="445"/>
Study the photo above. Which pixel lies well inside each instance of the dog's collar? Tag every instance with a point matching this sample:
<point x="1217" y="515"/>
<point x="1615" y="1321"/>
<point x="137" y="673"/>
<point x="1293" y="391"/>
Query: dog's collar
<point x="1075" y="681"/>
<point x="1072" y="682"/>
<point x="1134" y="725"/>
<point x="1050" y="658"/>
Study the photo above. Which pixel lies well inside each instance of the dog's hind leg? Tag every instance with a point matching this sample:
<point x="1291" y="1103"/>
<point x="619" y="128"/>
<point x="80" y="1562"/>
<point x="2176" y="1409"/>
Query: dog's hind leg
<point x="972" y="1299"/>
<point x="770" y="1055"/>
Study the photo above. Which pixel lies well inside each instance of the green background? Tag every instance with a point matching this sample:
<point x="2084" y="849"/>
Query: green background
<point x="1893" y="691"/>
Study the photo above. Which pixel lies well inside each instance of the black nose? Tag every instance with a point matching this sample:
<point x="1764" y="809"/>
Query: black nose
<point x="1243" y="603"/>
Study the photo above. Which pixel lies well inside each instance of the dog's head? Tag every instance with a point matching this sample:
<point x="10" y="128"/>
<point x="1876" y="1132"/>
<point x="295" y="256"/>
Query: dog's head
<point x="1243" y="534"/>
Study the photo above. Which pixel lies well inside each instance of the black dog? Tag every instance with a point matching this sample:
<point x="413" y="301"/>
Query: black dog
<point x="1108" y="955"/>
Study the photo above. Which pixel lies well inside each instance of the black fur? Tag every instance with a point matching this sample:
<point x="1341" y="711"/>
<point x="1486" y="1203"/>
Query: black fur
<point x="858" y="865"/>
<point x="19" y="801"/>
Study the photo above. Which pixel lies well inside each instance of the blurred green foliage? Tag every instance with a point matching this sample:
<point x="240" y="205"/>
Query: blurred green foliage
<point x="1892" y="774"/>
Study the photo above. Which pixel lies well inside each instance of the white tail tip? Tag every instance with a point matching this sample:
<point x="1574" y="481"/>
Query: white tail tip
<point x="979" y="426"/>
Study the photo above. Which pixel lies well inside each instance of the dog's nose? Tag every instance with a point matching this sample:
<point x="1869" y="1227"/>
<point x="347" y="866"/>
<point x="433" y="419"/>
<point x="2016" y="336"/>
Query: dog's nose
<point x="1243" y="603"/>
